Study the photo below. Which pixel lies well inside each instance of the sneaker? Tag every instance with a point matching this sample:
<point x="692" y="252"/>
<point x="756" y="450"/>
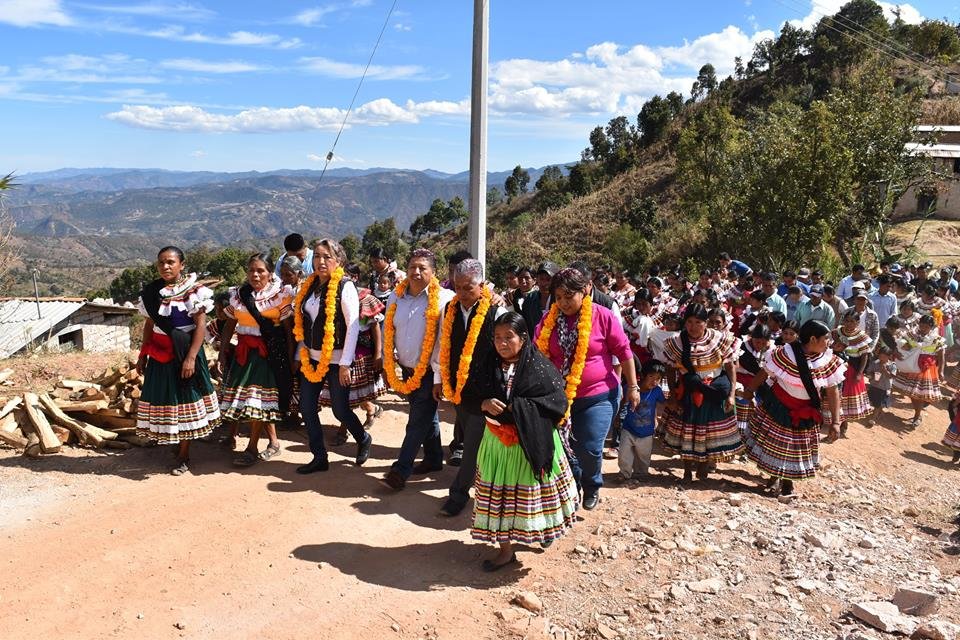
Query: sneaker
<point x="456" y="457"/>
<point x="610" y="453"/>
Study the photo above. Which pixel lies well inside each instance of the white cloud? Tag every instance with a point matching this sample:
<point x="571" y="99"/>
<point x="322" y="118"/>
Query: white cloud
<point x="313" y="157"/>
<point x="199" y="153"/>
<point x="207" y="66"/>
<point x="165" y="10"/>
<point x="30" y="13"/>
<point x="190" y="118"/>
<point x="719" y="49"/>
<point x="178" y="33"/>
<point x="314" y="16"/>
<point x="400" y="26"/>
<point x="80" y="69"/>
<point x="336" y="69"/>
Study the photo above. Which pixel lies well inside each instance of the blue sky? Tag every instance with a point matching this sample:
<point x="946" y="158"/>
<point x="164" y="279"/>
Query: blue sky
<point x="241" y="85"/>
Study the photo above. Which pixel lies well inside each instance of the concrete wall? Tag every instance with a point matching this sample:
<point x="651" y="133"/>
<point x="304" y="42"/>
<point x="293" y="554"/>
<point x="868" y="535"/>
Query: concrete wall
<point x="948" y="200"/>
<point x="92" y="330"/>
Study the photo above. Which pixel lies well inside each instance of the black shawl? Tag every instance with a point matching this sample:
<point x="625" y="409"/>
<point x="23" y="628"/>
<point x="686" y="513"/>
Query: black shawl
<point x="537" y="401"/>
<point x="275" y="337"/>
<point x="150" y="295"/>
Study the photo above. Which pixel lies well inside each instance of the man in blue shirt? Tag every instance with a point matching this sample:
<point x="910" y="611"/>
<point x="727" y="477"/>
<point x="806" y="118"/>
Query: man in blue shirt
<point x="742" y="269"/>
<point x="296" y="246"/>
<point x="790" y="280"/>
<point x="883" y="300"/>
<point x="814" y="308"/>
<point x="769" y="287"/>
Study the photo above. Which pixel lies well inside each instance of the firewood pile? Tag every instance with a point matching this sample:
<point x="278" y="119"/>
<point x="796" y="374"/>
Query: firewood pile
<point x="100" y="413"/>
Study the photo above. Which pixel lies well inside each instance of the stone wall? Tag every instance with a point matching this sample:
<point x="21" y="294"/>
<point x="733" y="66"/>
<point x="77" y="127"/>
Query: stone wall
<point x="93" y="330"/>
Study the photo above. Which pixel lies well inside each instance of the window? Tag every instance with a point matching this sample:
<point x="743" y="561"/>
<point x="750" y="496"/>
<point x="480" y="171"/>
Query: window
<point x="71" y="341"/>
<point x="926" y="204"/>
<point x="956" y="165"/>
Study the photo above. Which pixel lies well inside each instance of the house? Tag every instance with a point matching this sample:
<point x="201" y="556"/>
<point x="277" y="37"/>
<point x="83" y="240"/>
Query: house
<point x="945" y="203"/>
<point x="63" y="324"/>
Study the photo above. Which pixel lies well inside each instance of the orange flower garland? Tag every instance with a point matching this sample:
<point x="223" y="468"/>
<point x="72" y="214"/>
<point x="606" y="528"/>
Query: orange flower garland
<point x="584" y="327"/>
<point x="429" y="339"/>
<point x="463" y="369"/>
<point x="310" y="372"/>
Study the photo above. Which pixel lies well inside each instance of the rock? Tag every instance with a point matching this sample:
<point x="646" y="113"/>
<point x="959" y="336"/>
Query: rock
<point x="582" y="550"/>
<point x="395" y="627"/>
<point x="647" y="530"/>
<point x="735" y="499"/>
<point x="509" y="615"/>
<point x="668" y="545"/>
<point x="911" y="511"/>
<point x="807" y="586"/>
<point x="179" y="625"/>
<point x="868" y="543"/>
<point x="762" y="542"/>
<point x="606" y="632"/>
<point x="686" y="546"/>
<point x="780" y="590"/>
<point x="732" y="525"/>
<point x="916" y="602"/>
<point x="884" y="616"/>
<point x="936" y="630"/>
<point x="819" y="540"/>
<point x="677" y="591"/>
<point x="710" y="585"/>
<point x="529" y="601"/>
<point x="787" y="499"/>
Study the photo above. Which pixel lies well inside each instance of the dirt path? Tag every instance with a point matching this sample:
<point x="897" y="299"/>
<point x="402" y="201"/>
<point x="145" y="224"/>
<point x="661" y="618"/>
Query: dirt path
<point x="110" y="546"/>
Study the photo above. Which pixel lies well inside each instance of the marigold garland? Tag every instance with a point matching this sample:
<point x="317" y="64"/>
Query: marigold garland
<point x="429" y="339"/>
<point x="466" y="357"/>
<point x="318" y="372"/>
<point x="584" y="327"/>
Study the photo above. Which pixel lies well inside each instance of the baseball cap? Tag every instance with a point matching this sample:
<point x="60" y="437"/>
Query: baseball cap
<point x="817" y="290"/>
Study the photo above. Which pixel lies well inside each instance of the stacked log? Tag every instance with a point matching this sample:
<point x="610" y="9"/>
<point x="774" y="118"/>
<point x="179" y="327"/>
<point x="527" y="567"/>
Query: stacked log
<point x="99" y="413"/>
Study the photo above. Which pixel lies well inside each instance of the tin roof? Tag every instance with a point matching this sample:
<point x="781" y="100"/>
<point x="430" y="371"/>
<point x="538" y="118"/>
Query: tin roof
<point x="21" y="321"/>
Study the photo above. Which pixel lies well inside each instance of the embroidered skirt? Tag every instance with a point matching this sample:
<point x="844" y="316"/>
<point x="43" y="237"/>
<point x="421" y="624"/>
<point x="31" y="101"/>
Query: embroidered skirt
<point x="951" y="439"/>
<point x="923" y="386"/>
<point x="854" y="400"/>
<point x="169" y="412"/>
<point x="777" y="446"/>
<point x="702" y="434"/>
<point x="745" y="411"/>
<point x="249" y="391"/>
<point x="366" y="386"/>
<point x="511" y="504"/>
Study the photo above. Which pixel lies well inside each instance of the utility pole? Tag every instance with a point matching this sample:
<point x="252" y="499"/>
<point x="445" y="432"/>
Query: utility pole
<point x="36" y="292"/>
<point x="477" y="226"/>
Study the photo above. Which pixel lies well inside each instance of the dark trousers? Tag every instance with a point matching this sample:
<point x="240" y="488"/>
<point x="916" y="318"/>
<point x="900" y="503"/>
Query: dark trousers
<point x="423" y="429"/>
<point x="591" y="421"/>
<point x="473" y="426"/>
<point x="340" y="401"/>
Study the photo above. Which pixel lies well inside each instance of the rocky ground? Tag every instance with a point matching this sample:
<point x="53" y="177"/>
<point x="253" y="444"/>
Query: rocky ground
<point x="109" y="545"/>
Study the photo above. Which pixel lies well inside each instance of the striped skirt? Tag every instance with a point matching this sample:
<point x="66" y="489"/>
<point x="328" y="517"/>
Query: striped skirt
<point x="169" y="412"/>
<point x="854" y="400"/>
<point x="511" y="504"/>
<point x="366" y="384"/>
<point x="951" y="439"/>
<point x="776" y="446"/>
<point x="702" y="434"/>
<point x="923" y="386"/>
<point x="250" y="392"/>
<point x="745" y="411"/>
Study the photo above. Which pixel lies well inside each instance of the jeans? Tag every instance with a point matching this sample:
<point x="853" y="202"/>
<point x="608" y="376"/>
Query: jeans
<point x="340" y="401"/>
<point x="473" y="426"/>
<point x="423" y="429"/>
<point x="591" y="421"/>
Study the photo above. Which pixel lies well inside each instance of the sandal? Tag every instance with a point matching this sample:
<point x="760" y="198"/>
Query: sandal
<point x="372" y="417"/>
<point x="490" y="567"/>
<point x="228" y="442"/>
<point x="246" y="459"/>
<point x="180" y="469"/>
<point x="270" y="452"/>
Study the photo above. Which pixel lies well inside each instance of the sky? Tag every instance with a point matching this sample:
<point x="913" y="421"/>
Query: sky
<point x="251" y="85"/>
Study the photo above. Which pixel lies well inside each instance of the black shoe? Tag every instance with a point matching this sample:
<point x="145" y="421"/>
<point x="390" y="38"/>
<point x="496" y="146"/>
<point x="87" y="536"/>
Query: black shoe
<point x="363" y="450"/>
<point x="451" y="509"/>
<point x="456" y="457"/>
<point x="424" y="467"/>
<point x="786" y="487"/>
<point x="315" y="465"/>
<point x="591" y="500"/>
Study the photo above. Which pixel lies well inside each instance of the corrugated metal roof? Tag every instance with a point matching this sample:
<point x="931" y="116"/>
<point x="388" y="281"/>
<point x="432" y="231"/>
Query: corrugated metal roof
<point x="935" y="150"/>
<point x="20" y="324"/>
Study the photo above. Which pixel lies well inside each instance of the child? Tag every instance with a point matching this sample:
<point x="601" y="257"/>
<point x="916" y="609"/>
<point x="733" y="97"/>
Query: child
<point x="882" y="370"/>
<point x="789" y="332"/>
<point x="636" y="438"/>
<point x="951" y="439"/>
<point x="385" y="286"/>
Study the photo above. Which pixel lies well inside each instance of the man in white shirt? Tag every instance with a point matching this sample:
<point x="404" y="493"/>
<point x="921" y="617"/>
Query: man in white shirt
<point x="410" y="330"/>
<point x="845" y="288"/>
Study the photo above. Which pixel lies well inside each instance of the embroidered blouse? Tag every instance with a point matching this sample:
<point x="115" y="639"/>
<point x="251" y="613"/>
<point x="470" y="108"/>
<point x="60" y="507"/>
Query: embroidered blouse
<point x="274" y="302"/>
<point x="826" y="369"/>
<point x="708" y="354"/>
<point x="181" y="301"/>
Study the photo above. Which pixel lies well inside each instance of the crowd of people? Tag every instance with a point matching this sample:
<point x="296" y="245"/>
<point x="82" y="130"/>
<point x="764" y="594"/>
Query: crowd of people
<point x="548" y="375"/>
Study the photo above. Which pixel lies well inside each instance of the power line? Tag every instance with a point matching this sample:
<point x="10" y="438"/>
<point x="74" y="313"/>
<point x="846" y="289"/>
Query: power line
<point x="855" y="29"/>
<point x="357" y="92"/>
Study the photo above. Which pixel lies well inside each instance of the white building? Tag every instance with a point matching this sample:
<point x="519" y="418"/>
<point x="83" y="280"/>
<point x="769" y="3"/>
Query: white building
<point x="63" y="324"/>
<point x="946" y="154"/>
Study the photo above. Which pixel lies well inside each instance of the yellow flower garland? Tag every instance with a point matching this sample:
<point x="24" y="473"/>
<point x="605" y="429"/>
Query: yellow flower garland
<point x="473" y="334"/>
<point x="429" y="339"/>
<point x="584" y="327"/>
<point x="310" y="372"/>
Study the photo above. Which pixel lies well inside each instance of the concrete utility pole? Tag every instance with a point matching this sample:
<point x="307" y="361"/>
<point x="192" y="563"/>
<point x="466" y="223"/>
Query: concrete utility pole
<point x="477" y="227"/>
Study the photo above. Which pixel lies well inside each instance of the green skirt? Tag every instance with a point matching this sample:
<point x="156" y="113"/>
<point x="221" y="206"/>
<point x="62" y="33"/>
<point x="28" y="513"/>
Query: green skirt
<point x="250" y="391"/>
<point x="511" y="504"/>
<point x="168" y="411"/>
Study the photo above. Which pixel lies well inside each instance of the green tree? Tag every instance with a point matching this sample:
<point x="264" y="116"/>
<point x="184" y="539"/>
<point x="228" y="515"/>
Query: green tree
<point x="628" y="248"/>
<point x="654" y="118"/>
<point x="126" y="286"/>
<point x="8" y="254"/>
<point x="353" y="246"/>
<point x="552" y="190"/>
<point x="705" y="84"/>
<point x="384" y="235"/>
<point x="494" y="196"/>
<point x="229" y="265"/>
